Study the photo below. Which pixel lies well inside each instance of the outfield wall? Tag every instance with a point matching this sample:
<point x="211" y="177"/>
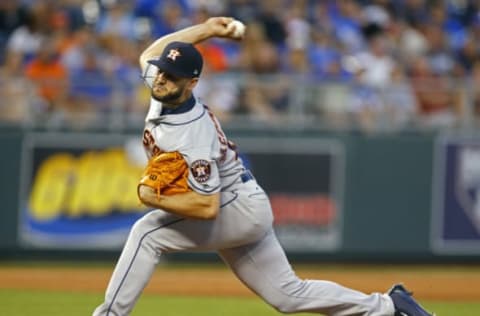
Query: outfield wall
<point x="410" y="196"/>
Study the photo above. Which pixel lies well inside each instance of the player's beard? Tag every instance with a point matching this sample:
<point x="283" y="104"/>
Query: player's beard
<point x="169" y="97"/>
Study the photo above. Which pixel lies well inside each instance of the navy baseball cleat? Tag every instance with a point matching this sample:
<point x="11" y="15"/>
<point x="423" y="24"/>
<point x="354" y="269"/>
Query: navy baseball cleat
<point x="404" y="303"/>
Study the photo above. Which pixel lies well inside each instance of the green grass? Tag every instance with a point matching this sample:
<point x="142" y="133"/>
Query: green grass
<point x="44" y="303"/>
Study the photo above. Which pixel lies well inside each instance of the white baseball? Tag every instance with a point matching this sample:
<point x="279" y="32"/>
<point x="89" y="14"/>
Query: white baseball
<point x="238" y="28"/>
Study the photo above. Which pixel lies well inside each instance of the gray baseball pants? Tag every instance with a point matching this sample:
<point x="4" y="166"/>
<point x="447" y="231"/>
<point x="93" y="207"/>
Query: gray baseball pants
<point x="243" y="236"/>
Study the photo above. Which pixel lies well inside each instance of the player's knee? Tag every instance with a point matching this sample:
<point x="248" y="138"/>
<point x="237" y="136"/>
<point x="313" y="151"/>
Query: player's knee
<point x="287" y="302"/>
<point x="283" y="306"/>
<point x="282" y="303"/>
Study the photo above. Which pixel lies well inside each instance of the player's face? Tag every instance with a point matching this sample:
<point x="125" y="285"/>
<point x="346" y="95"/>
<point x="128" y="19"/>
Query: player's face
<point x="170" y="89"/>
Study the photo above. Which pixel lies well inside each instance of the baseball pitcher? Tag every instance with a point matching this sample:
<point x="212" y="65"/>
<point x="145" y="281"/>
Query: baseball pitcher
<point x="203" y="198"/>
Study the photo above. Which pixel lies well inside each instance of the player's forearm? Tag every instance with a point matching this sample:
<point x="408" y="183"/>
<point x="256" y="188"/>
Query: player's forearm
<point x="189" y="204"/>
<point x="213" y="27"/>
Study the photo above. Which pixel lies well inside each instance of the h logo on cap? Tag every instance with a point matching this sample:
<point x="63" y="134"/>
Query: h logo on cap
<point x="173" y="54"/>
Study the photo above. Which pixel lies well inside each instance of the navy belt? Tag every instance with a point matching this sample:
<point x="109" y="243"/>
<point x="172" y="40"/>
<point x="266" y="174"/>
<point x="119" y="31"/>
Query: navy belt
<point x="246" y="176"/>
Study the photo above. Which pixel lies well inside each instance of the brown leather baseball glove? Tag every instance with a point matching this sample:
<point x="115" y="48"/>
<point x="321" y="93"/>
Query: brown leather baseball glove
<point x="166" y="173"/>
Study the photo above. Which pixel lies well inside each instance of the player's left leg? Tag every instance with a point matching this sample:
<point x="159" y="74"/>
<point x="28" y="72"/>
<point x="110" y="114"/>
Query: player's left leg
<point x="264" y="268"/>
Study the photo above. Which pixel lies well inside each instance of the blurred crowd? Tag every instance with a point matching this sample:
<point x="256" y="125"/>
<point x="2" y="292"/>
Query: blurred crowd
<point x="372" y="64"/>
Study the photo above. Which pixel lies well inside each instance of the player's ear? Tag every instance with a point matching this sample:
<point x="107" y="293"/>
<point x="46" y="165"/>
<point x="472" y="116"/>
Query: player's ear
<point x="193" y="83"/>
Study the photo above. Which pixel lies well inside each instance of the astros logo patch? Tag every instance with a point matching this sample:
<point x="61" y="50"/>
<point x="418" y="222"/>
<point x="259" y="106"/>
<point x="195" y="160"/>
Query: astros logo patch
<point x="200" y="170"/>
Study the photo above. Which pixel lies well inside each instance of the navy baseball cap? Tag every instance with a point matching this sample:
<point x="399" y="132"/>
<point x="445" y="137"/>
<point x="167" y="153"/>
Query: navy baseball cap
<point x="180" y="59"/>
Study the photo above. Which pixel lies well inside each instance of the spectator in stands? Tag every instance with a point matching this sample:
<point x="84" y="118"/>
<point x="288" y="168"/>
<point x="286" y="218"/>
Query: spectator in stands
<point x="103" y="73"/>
<point x="320" y="18"/>
<point x="400" y="101"/>
<point x="438" y="103"/>
<point x="347" y="25"/>
<point x="117" y="19"/>
<point x="439" y="54"/>
<point x="269" y="15"/>
<point x="19" y="102"/>
<point x="467" y="56"/>
<point x="72" y="11"/>
<point x="474" y="96"/>
<point x="464" y="12"/>
<point x="372" y="72"/>
<point x="213" y="52"/>
<point x="411" y="42"/>
<point x="73" y="56"/>
<point x="376" y="60"/>
<point x="170" y="18"/>
<point x="297" y="27"/>
<point x="452" y="29"/>
<point x="297" y="63"/>
<point x="325" y="58"/>
<point x="243" y="10"/>
<point x="122" y="69"/>
<point x="26" y="39"/>
<point x="151" y="8"/>
<point x="263" y="93"/>
<point x="61" y="30"/>
<point x="219" y="93"/>
<point x="414" y="12"/>
<point x="12" y="15"/>
<point x="376" y="12"/>
<point x="257" y="54"/>
<point x="365" y="105"/>
<point x="49" y="75"/>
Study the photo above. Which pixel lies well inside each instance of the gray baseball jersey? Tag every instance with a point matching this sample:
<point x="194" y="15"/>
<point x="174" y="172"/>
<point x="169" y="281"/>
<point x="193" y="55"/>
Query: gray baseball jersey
<point x="242" y="233"/>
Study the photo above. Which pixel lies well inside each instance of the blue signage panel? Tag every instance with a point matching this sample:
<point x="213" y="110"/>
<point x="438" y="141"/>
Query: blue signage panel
<point x="456" y="203"/>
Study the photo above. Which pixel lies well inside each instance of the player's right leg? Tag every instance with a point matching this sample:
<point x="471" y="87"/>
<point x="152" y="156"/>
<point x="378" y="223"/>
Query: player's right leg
<point x="264" y="268"/>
